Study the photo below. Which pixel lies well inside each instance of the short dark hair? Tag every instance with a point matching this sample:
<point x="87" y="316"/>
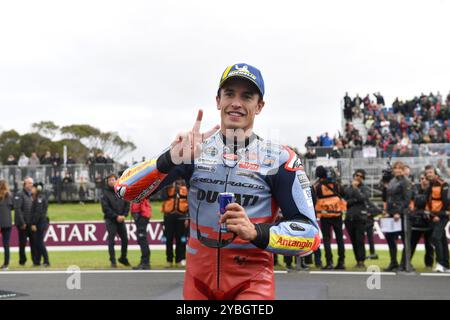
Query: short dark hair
<point x="361" y="171"/>
<point x="431" y="167"/>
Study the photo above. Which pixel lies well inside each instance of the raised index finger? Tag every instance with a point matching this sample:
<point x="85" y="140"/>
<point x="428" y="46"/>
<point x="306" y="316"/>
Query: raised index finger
<point x="196" y="128"/>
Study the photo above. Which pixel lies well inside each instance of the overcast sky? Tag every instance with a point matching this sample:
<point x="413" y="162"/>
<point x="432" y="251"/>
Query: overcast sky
<point x="143" y="68"/>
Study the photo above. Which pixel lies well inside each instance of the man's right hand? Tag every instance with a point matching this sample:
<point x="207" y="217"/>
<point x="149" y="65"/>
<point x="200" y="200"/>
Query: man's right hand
<point x="120" y="219"/>
<point x="23" y="227"/>
<point x="187" y="146"/>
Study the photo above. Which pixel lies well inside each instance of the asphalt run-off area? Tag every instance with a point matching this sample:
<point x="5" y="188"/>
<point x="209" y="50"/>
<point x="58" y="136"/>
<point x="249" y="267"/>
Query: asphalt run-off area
<point x="168" y="285"/>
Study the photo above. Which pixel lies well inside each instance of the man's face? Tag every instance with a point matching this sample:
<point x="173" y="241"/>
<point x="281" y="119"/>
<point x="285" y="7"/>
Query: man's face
<point x="239" y="103"/>
<point x="28" y="184"/>
<point x="111" y="181"/>
<point x="430" y="174"/>
<point x="359" y="176"/>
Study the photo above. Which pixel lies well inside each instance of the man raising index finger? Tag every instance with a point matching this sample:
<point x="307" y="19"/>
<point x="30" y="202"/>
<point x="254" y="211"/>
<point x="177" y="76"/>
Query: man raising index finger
<point x="262" y="175"/>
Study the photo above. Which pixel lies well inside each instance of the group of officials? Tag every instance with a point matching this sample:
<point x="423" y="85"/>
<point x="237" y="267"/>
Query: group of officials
<point x="422" y="210"/>
<point x="174" y="207"/>
<point x="30" y="218"/>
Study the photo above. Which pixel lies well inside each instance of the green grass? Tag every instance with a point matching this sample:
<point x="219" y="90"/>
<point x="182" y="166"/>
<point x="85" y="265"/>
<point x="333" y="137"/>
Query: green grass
<point x="100" y="260"/>
<point x="88" y="212"/>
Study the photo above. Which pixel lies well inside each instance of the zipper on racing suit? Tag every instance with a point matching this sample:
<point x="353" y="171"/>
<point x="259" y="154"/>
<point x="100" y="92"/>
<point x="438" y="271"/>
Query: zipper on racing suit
<point x="220" y="234"/>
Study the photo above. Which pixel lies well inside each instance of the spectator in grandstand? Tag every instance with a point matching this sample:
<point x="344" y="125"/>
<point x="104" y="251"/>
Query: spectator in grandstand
<point x="23" y="219"/>
<point x="142" y="212"/>
<point x="100" y="164"/>
<point x="71" y="166"/>
<point x="39" y="223"/>
<point x="90" y="162"/>
<point x="357" y="197"/>
<point x="398" y="197"/>
<point x="348" y="112"/>
<point x="57" y="184"/>
<point x="329" y="208"/>
<point x="68" y="187"/>
<point x="99" y="185"/>
<point x="357" y="102"/>
<point x="23" y="164"/>
<point x="310" y="154"/>
<point x="46" y="161"/>
<point x="369" y="122"/>
<point x="335" y="153"/>
<point x="325" y="140"/>
<point x="421" y="224"/>
<point x="109" y="164"/>
<point x="57" y="162"/>
<point x="405" y="145"/>
<point x="115" y="212"/>
<point x="438" y="203"/>
<point x="380" y="98"/>
<point x="309" y="143"/>
<point x="33" y="163"/>
<point x="82" y="190"/>
<point x="6" y="205"/>
<point x="175" y="208"/>
<point x="12" y="162"/>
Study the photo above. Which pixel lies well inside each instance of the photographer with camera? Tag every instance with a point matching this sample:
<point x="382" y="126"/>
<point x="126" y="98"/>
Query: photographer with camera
<point x="398" y="193"/>
<point x="357" y="197"/>
<point x="421" y="221"/>
<point x="438" y="203"/>
<point x="329" y="207"/>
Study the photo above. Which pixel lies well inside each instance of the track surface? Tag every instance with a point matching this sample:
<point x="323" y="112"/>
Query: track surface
<point x="168" y="285"/>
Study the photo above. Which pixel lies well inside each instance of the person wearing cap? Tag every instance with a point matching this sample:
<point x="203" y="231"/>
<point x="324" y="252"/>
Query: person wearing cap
<point x="230" y="255"/>
<point x="115" y="211"/>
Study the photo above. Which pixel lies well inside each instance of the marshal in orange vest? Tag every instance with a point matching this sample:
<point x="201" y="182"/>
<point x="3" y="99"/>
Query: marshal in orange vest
<point x="329" y="203"/>
<point x="177" y="200"/>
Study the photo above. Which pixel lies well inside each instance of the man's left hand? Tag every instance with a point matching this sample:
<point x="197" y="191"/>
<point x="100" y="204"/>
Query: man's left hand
<point x="238" y="222"/>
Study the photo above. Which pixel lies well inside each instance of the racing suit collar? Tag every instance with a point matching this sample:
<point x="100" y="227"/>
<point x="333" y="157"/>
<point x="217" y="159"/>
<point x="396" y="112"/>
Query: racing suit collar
<point x="236" y="145"/>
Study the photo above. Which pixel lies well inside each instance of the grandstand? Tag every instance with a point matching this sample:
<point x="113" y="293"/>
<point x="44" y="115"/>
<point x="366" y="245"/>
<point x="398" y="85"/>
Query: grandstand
<point x="416" y="130"/>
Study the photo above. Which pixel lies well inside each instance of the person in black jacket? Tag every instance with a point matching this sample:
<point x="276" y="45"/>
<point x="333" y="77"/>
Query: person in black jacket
<point x="39" y="223"/>
<point x="398" y="197"/>
<point x="22" y="219"/>
<point x="421" y="224"/>
<point x="6" y="205"/>
<point x="115" y="211"/>
<point x="357" y="197"/>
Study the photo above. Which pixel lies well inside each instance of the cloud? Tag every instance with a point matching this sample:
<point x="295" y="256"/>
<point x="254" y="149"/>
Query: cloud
<point x="143" y="68"/>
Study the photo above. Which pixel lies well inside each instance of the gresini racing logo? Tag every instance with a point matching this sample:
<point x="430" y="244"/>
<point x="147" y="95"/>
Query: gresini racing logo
<point x="231" y="183"/>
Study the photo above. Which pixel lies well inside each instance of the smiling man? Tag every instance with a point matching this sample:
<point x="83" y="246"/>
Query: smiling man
<point x="263" y="176"/>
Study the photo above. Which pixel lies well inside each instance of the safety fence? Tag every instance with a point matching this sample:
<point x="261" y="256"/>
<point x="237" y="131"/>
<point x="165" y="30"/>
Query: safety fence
<point x="374" y="167"/>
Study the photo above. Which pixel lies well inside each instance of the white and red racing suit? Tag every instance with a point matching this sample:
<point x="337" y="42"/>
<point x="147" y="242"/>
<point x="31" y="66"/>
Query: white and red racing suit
<point x="263" y="177"/>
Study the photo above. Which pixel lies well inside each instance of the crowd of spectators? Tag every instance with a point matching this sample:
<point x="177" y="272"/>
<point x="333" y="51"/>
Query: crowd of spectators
<point x="392" y="129"/>
<point x="65" y="179"/>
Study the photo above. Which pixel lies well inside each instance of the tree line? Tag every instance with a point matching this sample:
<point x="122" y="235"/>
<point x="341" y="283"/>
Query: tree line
<point x="80" y="139"/>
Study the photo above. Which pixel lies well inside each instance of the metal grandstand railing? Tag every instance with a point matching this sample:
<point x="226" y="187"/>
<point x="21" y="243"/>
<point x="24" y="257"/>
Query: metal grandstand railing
<point x="375" y="166"/>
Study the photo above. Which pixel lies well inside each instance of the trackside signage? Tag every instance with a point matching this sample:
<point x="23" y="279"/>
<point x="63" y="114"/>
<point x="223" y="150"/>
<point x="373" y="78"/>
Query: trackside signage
<point x="60" y="234"/>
